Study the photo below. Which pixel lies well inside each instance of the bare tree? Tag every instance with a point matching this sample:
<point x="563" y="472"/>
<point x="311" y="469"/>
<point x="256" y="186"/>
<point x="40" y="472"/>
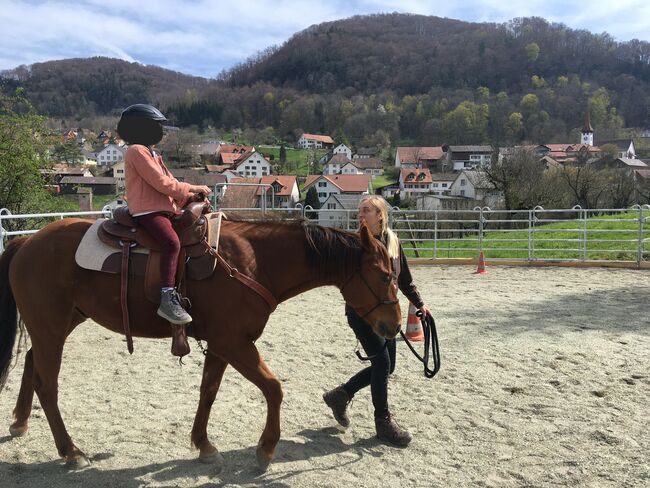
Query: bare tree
<point x="522" y="178"/>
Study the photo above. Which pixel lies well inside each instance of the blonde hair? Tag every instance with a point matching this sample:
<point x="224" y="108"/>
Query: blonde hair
<point x="381" y="205"/>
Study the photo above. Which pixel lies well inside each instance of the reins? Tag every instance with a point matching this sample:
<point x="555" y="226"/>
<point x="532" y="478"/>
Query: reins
<point x="430" y="340"/>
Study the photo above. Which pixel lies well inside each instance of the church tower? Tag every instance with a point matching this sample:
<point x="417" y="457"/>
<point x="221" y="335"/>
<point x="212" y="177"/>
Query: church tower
<point x="587" y="131"/>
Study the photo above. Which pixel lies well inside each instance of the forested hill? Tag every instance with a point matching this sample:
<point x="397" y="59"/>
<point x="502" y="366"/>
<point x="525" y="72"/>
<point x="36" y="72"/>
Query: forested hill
<point x="96" y="86"/>
<point x="384" y="79"/>
<point x="410" y="54"/>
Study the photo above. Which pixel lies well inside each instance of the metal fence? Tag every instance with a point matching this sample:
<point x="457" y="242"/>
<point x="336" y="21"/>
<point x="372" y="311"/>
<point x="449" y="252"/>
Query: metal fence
<point x="539" y="234"/>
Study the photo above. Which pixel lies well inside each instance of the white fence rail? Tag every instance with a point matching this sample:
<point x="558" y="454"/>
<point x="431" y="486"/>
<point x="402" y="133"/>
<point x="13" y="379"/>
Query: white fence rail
<point x="539" y="234"/>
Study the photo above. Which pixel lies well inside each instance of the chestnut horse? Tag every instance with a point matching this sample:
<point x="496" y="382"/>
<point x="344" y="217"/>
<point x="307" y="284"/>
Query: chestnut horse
<point x="40" y="279"/>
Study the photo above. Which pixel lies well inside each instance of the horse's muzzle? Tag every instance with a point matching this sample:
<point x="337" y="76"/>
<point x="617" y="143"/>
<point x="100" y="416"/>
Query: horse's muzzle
<point x="388" y="331"/>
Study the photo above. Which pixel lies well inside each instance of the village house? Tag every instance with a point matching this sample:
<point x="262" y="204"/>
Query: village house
<point x="285" y="191"/>
<point x="343" y="149"/>
<point x="229" y="153"/>
<point x="101" y="185"/>
<point x="252" y="164"/>
<point x="475" y="185"/>
<point x="369" y="166"/>
<point x="315" y="141"/>
<point x="468" y="157"/>
<point x="338" y="163"/>
<point x="441" y="183"/>
<point x="421" y="157"/>
<point x="339" y="210"/>
<point x="327" y="185"/>
<point x="118" y="173"/>
<point x="366" y="152"/>
<point x="625" y="147"/>
<point x="110" y="154"/>
<point x="414" y="181"/>
<point x="54" y="175"/>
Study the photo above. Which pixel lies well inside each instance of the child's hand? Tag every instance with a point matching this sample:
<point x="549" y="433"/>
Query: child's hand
<point x="200" y="189"/>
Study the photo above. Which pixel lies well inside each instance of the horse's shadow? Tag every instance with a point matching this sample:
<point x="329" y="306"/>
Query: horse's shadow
<point x="239" y="466"/>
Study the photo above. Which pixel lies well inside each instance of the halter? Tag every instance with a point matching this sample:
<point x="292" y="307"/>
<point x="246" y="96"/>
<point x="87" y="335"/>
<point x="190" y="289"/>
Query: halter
<point x="380" y="302"/>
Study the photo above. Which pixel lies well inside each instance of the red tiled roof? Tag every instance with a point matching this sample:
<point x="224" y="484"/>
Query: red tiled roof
<point x="231" y="148"/>
<point x="318" y="137"/>
<point x="347" y="183"/>
<point x="416" y="176"/>
<point x="287" y="183"/>
<point x="230" y="158"/>
<point x="409" y="154"/>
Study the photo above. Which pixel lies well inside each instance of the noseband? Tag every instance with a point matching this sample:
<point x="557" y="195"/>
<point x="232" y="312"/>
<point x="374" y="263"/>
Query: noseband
<point x="380" y="302"/>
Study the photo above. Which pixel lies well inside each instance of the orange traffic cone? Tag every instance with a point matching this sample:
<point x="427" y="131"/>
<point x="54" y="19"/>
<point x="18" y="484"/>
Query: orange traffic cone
<point x="481" y="264"/>
<point x="413" y="325"/>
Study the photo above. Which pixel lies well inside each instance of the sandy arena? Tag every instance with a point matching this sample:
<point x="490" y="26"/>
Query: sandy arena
<point x="545" y="380"/>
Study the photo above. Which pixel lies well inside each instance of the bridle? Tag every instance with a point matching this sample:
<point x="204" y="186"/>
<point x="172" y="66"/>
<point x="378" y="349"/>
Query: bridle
<point x="380" y="302"/>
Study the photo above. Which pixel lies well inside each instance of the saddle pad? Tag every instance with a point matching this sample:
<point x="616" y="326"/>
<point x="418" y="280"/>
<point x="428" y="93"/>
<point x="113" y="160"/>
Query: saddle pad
<point x="92" y="253"/>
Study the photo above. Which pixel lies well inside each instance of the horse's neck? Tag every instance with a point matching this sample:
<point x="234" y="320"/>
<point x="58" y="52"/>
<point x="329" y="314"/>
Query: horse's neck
<point x="292" y="274"/>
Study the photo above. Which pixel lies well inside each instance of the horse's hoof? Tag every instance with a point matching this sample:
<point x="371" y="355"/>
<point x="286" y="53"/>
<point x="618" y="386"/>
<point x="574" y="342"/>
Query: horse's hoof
<point x="214" y="458"/>
<point x="76" y="463"/>
<point x="17" y="430"/>
<point x="263" y="459"/>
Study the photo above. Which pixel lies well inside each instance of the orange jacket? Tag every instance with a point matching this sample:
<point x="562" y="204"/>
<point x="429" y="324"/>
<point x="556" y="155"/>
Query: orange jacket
<point x="150" y="186"/>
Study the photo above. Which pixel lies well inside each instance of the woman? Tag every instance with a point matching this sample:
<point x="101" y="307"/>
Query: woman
<point x="373" y="212"/>
<point x="154" y="196"/>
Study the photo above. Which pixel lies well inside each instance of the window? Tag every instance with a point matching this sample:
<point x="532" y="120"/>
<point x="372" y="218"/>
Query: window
<point x="463" y="182"/>
<point x="444" y="185"/>
<point x="322" y="184"/>
<point x="462" y="193"/>
<point x="331" y="206"/>
<point x="435" y="185"/>
<point x="322" y="194"/>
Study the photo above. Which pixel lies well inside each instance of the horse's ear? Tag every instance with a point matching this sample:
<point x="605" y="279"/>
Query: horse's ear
<point x="366" y="237"/>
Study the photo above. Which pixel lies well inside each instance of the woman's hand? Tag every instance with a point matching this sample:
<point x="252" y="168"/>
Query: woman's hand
<point x="200" y="189"/>
<point x="425" y="311"/>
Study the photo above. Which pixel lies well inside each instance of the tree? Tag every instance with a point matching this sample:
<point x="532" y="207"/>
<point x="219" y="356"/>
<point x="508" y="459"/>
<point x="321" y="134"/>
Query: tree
<point x="68" y="152"/>
<point x="311" y="199"/>
<point x="585" y="183"/>
<point x="283" y="153"/>
<point x="522" y="179"/>
<point x="532" y="51"/>
<point x="23" y="145"/>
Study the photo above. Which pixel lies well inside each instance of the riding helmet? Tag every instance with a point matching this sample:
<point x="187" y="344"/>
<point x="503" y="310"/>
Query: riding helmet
<point x="141" y="124"/>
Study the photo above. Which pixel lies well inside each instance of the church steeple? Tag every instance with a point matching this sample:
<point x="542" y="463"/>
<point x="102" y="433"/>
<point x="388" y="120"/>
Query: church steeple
<point x="587" y="131"/>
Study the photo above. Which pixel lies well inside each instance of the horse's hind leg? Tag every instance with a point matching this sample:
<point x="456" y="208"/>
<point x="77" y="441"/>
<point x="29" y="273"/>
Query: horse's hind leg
<point x="25" y="397"/>
<point x="213" y="370"/>
<point x="247" y="360"/>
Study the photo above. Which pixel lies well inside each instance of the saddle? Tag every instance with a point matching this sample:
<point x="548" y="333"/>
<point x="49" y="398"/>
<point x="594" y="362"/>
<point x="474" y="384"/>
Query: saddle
<point x="195" y="261"/>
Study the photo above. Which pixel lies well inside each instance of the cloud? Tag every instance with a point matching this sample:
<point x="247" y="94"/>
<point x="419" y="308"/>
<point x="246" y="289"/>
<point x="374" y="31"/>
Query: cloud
<point x="205" y="36"/>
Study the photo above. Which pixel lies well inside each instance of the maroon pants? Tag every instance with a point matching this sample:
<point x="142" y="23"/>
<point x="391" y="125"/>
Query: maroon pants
<point x="159" y="226"/>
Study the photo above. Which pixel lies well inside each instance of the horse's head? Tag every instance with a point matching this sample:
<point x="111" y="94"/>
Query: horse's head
<point x="372" y="288"/>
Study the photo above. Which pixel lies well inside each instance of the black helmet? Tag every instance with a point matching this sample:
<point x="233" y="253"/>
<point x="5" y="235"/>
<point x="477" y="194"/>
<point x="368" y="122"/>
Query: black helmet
<point x="141" y="124"/>
<point x="144" y="111"/>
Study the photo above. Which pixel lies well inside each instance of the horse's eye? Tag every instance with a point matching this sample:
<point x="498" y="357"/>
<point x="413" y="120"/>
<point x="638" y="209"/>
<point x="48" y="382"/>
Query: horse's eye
<point x="388" y="278"/>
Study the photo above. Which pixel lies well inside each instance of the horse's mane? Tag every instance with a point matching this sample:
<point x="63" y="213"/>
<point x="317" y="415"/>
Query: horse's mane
<point x="328" y="249"/>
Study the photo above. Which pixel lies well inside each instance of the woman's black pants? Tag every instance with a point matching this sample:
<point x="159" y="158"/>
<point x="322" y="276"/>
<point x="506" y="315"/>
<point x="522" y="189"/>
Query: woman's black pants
<point x="382" y="364"/>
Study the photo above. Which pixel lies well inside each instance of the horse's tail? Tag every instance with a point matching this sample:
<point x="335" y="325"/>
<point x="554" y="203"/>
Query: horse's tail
<point x="8" y="312"/>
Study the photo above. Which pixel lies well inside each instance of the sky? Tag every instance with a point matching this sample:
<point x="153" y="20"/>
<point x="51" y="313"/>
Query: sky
<point x="204" y="37"/>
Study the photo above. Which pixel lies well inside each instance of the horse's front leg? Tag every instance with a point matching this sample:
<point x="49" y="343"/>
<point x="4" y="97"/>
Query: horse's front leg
<point x="213" y="369"/>
<point x="247" y="360"/>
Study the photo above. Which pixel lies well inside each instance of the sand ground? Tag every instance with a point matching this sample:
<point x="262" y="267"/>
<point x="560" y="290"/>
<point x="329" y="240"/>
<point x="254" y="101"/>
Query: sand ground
<point x="545" y="381"/>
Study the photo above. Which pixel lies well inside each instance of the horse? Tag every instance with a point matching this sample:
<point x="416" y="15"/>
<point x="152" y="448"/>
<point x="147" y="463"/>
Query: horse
<point x="40" y="281"/>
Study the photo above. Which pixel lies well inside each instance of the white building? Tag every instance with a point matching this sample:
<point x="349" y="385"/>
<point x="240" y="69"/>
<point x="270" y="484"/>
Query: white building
<point x="327" y="185"/>
<point x="414" y="181"/>
<point x="315" y="141"/>
<point x="118" y="174"/>
<point x="475" y="185"/>
<point x="340" y="164"/>
<point x="253" y="164"/>
<point x="343" y="149"/>
<point x="110" y="154"/>
<point x="339" y="211"/>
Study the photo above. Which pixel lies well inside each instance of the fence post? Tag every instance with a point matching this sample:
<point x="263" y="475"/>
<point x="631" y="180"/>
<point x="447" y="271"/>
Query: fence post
<point x="532" y="220"/>
<point x="639" y="251"/>
<point x="3" y="211"/>
<point x="435" y="234"/>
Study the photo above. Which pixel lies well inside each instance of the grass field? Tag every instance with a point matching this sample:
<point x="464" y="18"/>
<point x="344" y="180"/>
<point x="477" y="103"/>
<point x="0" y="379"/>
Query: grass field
<point x="608" y="237"/>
